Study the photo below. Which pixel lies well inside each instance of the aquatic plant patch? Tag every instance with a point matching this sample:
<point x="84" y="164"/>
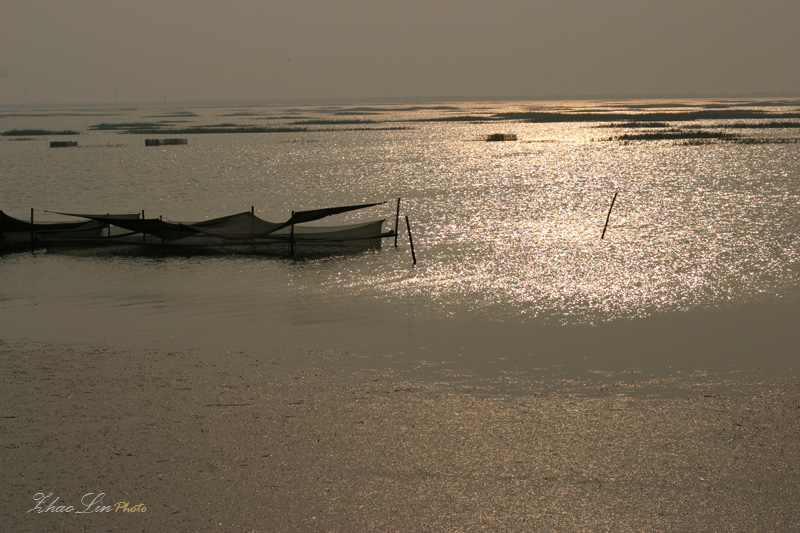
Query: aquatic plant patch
<point x="28" y="132"/>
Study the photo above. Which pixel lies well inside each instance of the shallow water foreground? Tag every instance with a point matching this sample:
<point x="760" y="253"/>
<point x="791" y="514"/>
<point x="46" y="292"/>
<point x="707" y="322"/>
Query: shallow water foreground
<point x="318" y="441"/>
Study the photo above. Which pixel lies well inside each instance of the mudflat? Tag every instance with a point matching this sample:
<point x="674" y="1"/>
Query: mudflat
<point x="99" y="438"/>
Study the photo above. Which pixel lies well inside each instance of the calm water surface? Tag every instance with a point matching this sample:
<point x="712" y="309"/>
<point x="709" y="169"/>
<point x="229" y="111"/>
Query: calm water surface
<point x="699" y="263"/>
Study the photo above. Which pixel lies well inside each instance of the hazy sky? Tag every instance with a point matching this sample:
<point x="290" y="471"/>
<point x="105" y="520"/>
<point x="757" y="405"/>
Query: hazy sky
<point x="83" y="51"/>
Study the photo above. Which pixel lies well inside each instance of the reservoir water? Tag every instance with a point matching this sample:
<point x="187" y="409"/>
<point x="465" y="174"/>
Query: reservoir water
<point x="699" y="267"/>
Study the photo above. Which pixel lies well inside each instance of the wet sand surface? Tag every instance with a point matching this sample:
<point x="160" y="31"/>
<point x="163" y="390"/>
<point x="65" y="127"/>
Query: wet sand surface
<point x="331" y="441"/>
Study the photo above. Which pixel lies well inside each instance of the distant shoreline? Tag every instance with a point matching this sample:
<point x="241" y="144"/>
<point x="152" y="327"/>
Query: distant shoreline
<point x="399" y="100"/>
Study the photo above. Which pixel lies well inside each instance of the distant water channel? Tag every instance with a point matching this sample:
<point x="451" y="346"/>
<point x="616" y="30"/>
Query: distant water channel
<point x="699" y="266"/>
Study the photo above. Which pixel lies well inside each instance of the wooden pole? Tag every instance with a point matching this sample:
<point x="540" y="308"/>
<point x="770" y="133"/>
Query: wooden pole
<point x="411" y="241"/>
<point x="608" y="216"/>
<point x="252" y="223"/>
<point x="32" y="238"/>
<point x="291" y="234"/>
<point x="396" y="221"/>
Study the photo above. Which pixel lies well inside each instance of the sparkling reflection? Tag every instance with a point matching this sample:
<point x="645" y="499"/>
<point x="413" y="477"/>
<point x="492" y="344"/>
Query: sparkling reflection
<point x="517" y="233"/>
<point x="506" y="231"/>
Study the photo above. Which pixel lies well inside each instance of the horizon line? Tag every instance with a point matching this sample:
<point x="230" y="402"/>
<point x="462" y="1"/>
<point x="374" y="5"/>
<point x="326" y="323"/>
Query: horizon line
<point x="312" y="101"/>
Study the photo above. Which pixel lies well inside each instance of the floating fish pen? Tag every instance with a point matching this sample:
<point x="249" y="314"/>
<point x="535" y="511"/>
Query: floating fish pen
<point x="63" y="144"/>
<point x="237" y="233"/>
<point x="164" y="142"/>
<point x="501" y="137"/>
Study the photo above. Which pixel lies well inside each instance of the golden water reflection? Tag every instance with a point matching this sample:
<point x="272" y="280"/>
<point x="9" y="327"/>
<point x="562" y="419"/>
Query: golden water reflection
<point x="504" y="231"/>
<point x="693" y="227"/>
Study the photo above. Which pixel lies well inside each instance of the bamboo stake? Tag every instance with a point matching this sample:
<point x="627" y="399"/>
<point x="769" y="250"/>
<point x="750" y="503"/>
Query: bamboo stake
<point x="411" y="241"/>
<point x="608" y="216"/>
<point x="291" y="234"/>
<point x="396" y="221"/>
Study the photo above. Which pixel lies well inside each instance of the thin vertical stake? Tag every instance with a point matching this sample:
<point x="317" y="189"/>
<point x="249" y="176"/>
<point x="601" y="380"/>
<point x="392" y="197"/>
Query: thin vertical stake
<point x="411" y="241"/>
<point x="608" y="216"/>
<point x="32" y="239"/>
<point x="291" y="234"/>
<point x="396" y="221"/>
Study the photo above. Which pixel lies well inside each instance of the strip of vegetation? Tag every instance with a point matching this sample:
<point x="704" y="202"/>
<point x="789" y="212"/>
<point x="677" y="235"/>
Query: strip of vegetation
<point x="752" y="103"/>
<point x="722" y="125"/>
<point x="541" y="117"/>
<point x="694" y="137"/>
<point x="743" y="140"/>
<point x="350" y="112"/>
<point x="329" y="122"/>
<point x="651" y="105"/>
<point x="220" y="128"/>
<point x="635" y="124"/>
<point x="127" y="127"/>
<point x="159" y="129"/>
<point x="382" y="128"/>
<point x="673" y="135"/>
<point x="20" y="133"/>
<point x="390" y="109"/>
<point x="458" y="118"/>
<point x="758" y="125"/>
<point x="688" y="116"/>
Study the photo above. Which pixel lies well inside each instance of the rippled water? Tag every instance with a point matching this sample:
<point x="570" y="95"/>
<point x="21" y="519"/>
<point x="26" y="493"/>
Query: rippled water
<point x="505" y="233"/>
